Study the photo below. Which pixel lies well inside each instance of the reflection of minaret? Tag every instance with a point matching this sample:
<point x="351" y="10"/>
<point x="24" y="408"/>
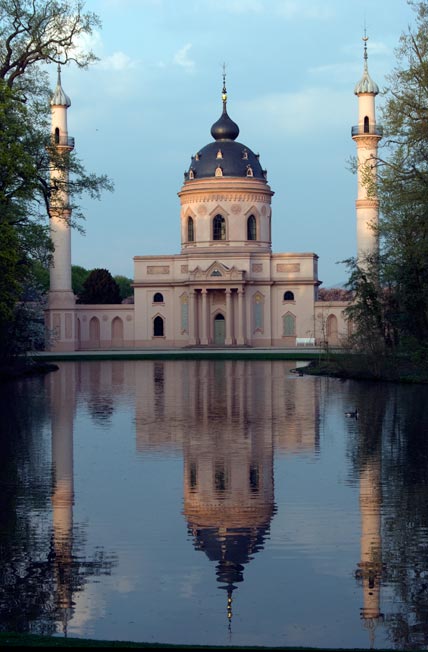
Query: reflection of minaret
<point x="228" y="472"/>
<point x="370" y="567"/>
<point x="62" y="406"/>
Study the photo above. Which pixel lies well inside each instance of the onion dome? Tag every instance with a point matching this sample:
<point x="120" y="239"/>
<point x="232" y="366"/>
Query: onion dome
<point x="59" y="98"/>
<point x="225" y="157"/>
<point x="224" y="128"/>
<point x="366" y="83"/>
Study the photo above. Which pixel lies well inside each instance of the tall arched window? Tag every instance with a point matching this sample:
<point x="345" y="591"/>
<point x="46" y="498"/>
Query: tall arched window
<point x="158" y="298"/>
<point x="219" y="228"/>
<point x="366" y="125"/>
<point x="332" y="329"/>
<point x="94" y="332"/>
<point x="289" y="325"/>
<point x="158" y="326"/>
<point x="190" y="230"/>
<point x="117" y="332"/>
<point x="56" y="136"/>
<point x="251" y="228"/>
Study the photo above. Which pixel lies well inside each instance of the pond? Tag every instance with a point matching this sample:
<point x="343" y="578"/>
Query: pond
<point x="214" y="502"/>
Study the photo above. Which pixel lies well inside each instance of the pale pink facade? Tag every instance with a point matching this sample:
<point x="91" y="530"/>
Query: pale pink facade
<point x="226" y="287"/>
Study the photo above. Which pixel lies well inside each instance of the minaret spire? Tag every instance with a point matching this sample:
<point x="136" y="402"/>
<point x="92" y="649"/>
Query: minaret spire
<point x="366" y="135"/>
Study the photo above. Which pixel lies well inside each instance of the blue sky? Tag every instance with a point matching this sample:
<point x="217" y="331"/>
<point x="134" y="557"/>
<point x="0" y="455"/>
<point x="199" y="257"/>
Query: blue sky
<point x="141" y="112"/>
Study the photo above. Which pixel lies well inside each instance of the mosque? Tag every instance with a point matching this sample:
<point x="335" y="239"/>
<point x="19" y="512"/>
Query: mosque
<point x="226" y="287"/>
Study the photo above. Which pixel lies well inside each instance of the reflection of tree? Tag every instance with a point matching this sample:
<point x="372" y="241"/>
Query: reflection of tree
<point x="392" y="433"/>
<point x="406" y="527"/>
<point x="38" y="572"/>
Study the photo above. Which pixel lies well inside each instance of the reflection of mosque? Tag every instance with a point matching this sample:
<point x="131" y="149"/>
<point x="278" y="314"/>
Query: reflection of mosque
<point x="227" y="418"/>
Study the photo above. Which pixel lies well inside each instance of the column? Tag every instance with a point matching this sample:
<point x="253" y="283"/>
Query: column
<point x="240" y="335"/>
<point x="204" y="330"/>
<point x="192" y="338"/>
<point x="228" y="340"/>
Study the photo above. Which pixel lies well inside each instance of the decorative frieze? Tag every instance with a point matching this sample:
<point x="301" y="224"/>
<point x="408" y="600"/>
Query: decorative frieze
<point x="184" y="269"/>
<point x="288" y="267"/>
<point x="257" y="267"/>
<point x="157" y="269"/>
<point x="228" y="197"/>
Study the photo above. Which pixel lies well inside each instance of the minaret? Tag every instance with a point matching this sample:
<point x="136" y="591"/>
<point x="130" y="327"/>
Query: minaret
<point x="366" y="136"/>
<point x="60" y="314"/>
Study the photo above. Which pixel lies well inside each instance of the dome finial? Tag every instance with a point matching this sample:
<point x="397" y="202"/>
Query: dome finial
<point x="60" y="98"/>
<point x="224" y="91"/>
<point x="224" y="128"/>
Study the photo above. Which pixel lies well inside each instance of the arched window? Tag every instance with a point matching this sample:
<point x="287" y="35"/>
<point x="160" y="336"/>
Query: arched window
<point x="158" y="298"/>
<point x="288" y="296"/>
<point x="251" y="228"/>
<point x="332" y="329"/>
<point x="94" y="332"/>
<point x="366" y="125"/>
<point x="219" y="228"/>
<point x="56" y="136"/>
<point x="190" y="230"/>
<point x="289" y="325"/>
<point x="117" y="332"/>
<point x="158" y="327"/>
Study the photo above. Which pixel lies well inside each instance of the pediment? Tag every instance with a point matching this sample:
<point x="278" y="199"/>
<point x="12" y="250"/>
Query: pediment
<point x="216" y="272"/>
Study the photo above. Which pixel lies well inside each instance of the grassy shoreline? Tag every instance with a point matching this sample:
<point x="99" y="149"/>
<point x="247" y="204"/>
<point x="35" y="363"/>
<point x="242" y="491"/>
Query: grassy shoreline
<point x="34" y="640"/>
<point x="394" y="369"/>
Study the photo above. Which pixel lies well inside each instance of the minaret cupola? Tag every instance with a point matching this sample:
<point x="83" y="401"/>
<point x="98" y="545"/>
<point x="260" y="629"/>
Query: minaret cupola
<point x="366" y="83"/>
<point x="59" y="97"/>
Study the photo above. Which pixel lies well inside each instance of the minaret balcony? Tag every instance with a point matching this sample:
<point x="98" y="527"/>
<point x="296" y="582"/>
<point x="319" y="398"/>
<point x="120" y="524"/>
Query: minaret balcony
<point x="367" y="130"/>
<point x="63" y="141"/>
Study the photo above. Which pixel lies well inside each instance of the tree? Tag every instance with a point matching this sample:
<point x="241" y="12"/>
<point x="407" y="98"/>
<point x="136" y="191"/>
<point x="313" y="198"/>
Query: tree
<point x="100" y="287"/>
<point x="399" y="295"/>
<point x="78" y="277"/>
<point x="125" y="286"/>
<point x="34" y="33"/>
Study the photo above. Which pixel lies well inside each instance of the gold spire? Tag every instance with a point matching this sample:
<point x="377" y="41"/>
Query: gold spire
<point x="224" y="91"/>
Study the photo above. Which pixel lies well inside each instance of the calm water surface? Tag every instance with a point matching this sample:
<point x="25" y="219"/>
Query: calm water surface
<point x="214" y="502"/>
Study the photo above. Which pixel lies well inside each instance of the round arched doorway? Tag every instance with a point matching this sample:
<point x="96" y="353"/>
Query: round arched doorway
<point x="219" y="329"/>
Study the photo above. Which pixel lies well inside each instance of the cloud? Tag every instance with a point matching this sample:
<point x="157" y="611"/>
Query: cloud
<point x="291" y="113"/>
<point x="291" y="9"/>
<point x="117" y="61"/>
<point x="237" y="6"/>
<point x="181" y="58"/>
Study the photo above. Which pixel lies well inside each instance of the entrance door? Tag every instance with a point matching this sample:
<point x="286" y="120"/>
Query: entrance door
<point x="219" y="330"/>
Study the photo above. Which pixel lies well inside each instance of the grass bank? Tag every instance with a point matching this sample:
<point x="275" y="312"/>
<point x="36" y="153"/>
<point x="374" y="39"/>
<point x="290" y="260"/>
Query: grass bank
<point x="31" y="640"/>
<point x="397" y="369"/>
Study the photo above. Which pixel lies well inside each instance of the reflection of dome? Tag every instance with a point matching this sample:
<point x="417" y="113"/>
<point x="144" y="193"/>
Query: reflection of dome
<point x="231" y="548"/>
<point x="225" y="157"/>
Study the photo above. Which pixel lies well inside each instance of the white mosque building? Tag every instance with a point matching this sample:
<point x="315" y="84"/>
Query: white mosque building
<point x="226" y="287"/>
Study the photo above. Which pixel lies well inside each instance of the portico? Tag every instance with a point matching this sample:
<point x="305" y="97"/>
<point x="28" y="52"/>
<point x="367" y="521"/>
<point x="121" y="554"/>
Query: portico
<point x="217" y="316"/>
